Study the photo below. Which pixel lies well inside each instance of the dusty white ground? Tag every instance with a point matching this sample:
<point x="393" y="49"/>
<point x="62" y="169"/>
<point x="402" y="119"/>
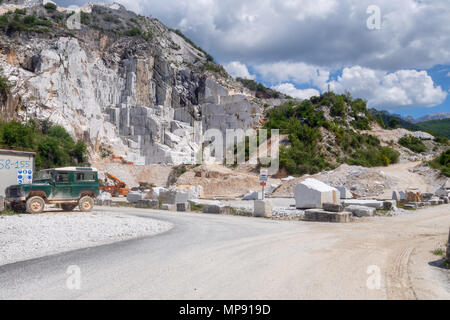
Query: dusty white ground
<point x="24" y="237"/>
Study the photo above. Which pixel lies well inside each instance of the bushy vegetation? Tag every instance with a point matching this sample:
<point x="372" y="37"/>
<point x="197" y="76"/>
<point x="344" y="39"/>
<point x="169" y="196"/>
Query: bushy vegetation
<point x="413" y="144"/>
<point x="216" y="68"/>
<point x="261" y="90"/>
<point x="23" y="23"/>
<point x="54" y="145"/>
<point x="442" y="163"/>
<point x="304" y="124"/>
<point x="50" y="6"/>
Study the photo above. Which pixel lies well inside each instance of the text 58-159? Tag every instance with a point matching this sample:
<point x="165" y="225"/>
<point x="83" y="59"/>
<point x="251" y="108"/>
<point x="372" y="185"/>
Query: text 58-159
<point x="6" y="164"/>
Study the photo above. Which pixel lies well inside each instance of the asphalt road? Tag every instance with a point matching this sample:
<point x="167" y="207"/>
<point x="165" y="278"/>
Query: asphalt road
<point x="227" y="257"/>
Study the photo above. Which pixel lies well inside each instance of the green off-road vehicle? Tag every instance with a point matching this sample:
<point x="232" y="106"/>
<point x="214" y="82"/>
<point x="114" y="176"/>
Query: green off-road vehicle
<point x="69" y="187"/>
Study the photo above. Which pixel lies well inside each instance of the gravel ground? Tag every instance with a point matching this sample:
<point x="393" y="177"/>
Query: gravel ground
<point x="24" y="237"/>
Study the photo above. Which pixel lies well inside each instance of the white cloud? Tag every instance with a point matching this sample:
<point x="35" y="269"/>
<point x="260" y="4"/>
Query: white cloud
<point x="293" y="72"/>
<point x="448" y="75"/>
<point x="237" y="69"/>
<point x="291" y="90"/>
<point x="326" y="33"/>
<point x="400" y="89"/>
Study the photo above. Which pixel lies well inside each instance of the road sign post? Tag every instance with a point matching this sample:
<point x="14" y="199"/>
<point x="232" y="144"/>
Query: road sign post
<point x="263" y="177"/>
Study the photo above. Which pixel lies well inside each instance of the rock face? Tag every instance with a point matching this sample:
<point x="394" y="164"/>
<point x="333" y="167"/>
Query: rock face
<point x="313" y="193"/>
<point x="147" y="99"/>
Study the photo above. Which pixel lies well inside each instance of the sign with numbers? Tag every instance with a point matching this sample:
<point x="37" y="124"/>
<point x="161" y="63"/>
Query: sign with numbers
<point x="16" y="167"/>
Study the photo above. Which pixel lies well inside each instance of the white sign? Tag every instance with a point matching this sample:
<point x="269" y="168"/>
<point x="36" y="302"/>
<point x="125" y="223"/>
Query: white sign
<point x="264" y="175"/>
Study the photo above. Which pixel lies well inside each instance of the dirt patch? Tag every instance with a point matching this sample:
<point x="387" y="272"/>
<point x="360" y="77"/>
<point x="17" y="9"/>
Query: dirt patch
<point x="219" y="181"/>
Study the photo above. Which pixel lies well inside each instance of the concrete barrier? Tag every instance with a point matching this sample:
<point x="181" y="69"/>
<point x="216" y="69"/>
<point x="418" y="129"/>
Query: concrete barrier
<point x="262" y="208"/>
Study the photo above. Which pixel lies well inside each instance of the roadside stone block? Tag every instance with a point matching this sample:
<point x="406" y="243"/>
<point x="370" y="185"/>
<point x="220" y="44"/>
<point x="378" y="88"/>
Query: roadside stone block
<point x="427" y="196"/>
<point x="183" y="207"/>
<point x="313" y="193"/>
<point x="366" y="203"/>
<point x="344" y="192"/>
<point x="361" y="211"/>
<point x="211" y="208"/>
<point x="2" y="203"/>
<point x="333" y="207"/>
<point x="147" y="204"/>
<point x="398" y="196"/>
<point x="434" y="202"/>
<point x="174" y="196"/>
<point x="262" y="208"/>
<point x="389" y="204"/>
<point x="410" y="206"/>
<point x="327" y="216"/>
<point x="446" y="200"/>
<point x="226" y="210"/>
<point x="169" y="207"/>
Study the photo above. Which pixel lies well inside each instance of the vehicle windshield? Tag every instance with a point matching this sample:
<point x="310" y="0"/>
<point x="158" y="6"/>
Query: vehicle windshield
<point x="43" y="175"/>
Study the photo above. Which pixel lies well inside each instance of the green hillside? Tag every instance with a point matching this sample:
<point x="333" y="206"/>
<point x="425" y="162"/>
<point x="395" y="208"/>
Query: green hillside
<point x="439" y="127"/>
<point x="325" y="132"/>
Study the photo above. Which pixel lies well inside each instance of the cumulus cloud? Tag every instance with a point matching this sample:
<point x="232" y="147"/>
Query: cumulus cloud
<point x="238" y="70"/>
<point x="293" y="72"/>
<point x="328" y="33"/>
<point x="400" y="89"/>
<point x="291" y="90"/>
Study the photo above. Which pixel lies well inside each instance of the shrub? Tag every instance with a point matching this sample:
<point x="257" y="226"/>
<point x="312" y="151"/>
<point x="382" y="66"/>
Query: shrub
<point x="413" y="144"/>
<point x="85" y="18"/>
<point x="442" y="163"/>
<point x="133" y="32"/>
<point x="50" y="6"/>
<point x="338" y="109"/>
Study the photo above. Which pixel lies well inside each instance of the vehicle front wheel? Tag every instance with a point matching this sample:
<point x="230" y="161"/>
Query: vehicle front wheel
<point x="35" y="205"/>
<point x="68" y="206"/>
<point x="86" y="204"/>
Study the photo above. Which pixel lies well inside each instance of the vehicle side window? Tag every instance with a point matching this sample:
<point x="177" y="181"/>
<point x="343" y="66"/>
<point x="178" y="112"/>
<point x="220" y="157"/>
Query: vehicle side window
<point x="85" y="176"/>
<point x="62" y="177"/>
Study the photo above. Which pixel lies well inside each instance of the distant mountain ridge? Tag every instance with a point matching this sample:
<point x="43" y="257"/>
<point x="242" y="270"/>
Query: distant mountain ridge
<point x="430" y="117"/>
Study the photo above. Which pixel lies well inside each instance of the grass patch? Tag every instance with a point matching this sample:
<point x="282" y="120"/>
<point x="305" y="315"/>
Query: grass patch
<point x="7" y="212"/>
<point x="439" y="252"/>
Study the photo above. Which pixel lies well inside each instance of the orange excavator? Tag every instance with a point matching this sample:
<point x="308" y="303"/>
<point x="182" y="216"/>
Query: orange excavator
<point x="118" y="188"/>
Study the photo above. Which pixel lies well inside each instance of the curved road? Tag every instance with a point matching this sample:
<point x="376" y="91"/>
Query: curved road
<point x="227" y="257"/>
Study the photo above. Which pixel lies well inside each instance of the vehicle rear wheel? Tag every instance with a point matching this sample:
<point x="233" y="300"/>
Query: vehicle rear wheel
<point x="86" y="204"/>
<point x="35" y="205"/>
<point x="68" y="206"/>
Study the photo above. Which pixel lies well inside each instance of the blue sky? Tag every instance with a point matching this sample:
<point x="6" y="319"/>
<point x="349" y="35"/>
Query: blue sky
<point x="394" y="54"/>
